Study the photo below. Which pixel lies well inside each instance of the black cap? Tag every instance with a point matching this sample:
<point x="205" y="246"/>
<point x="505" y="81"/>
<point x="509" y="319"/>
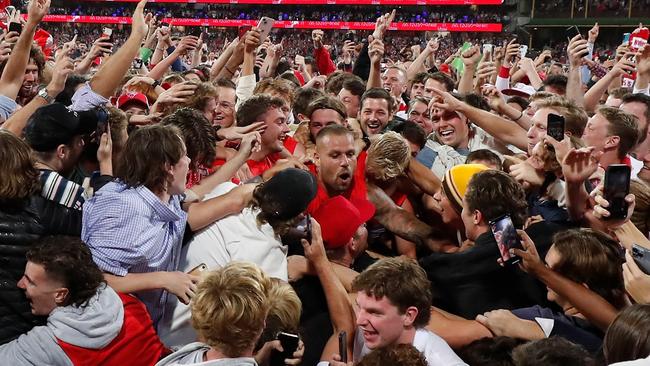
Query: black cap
<point x="288" y="193"/>
<point x="55" y="124"/>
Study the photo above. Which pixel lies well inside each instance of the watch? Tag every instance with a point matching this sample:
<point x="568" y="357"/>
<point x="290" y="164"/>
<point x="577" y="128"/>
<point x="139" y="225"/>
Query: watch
<point x="43" y="94"/>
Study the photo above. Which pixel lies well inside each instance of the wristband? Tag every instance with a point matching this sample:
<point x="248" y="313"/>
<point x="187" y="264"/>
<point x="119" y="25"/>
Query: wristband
<point x="504" y="72"/>
<point x="521" y="115"/>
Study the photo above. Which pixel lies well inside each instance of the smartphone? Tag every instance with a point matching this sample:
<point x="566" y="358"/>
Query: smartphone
<point x="523" y="50"/>
<point x="242" y="30"/>
<point x="572" y="31"/>
<point x="350" y="36"/>
<point x="166" y="25"/>
<point x="555" y="126"/>
<point x="137" y="63"/>
<point x="299" y="60"/>
<point x="108" y="32"/>
<point x="506" y="236"/>
<point x="305" y="228"/>
<point x="626" y="38"/>
<point x="196" y="271"/>
<point x="617" y="186"/>
<point x="289" y="344"/>
<point x="265" y="25"/>
<point x="641" y="256"/>
<point x="343" y="346"/>
<point x="15" y="27"/>
<point x="195" y="31"/>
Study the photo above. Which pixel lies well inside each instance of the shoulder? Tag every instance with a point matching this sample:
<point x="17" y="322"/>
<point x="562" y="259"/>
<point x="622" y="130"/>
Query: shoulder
<point x="435" y="349"/>
<point x="188" y="354"/>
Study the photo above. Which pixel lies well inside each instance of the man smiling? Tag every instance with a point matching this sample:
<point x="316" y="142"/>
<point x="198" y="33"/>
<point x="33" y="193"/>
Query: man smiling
<point x="394" y="300"/>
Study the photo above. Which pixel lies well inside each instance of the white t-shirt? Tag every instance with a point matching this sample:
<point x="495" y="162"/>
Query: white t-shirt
<point x="436" y="351"/>
<point x="233" y="238"/>
<point x="640" y="362"/>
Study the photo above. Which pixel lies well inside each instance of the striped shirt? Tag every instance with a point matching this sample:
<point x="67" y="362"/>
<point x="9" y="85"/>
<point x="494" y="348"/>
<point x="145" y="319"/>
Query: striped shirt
<point x="130" y="230"/>
<point x="56" y="188"/>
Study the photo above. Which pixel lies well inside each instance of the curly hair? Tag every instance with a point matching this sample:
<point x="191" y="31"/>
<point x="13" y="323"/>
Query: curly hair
<point x="67" y="259"/>
<point x="388" y="157"/>
<point x="282" y="88"/>
<point x="19" y="178"/>
<point x="397" y="354"/>
<point x="197" y="132"/>
<point x="266" y="214"/>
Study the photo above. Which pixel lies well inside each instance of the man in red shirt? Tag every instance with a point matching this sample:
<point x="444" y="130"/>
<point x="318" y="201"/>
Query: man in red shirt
<point x="267" y="109"/>
<point x="342" y="172"/>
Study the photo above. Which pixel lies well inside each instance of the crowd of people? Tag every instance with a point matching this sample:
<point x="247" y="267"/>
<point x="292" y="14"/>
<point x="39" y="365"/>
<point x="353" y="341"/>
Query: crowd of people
<point x="166" y="200"/>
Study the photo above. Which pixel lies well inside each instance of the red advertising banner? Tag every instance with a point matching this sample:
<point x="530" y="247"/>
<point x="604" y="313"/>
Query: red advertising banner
<point x="327" y="2"/>
<point x="447" y="27"/>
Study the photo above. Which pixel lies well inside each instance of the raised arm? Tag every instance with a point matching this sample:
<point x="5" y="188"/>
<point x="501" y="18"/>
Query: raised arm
<point x="624" y="65"/>
<point x="185" y="45"/>
<point x="500" y="128"/>
<point x="575" y="51"/>
<point x="376" y="53"/>
<point x="335" y="294"/>
<point x="418" y="64"/>
<point x="14" y="72"/>
<point x="110" y="75"/>
<point x="471" y="58"/>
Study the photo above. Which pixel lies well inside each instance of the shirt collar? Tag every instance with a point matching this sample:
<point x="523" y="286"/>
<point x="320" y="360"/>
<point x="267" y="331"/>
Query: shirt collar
<point x="165" y="212"/>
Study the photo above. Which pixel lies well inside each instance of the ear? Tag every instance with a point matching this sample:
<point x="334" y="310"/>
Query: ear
<point x="568" y="133"/>
<point x="61" y="295"/>
<point x="61" y="151"/>
<point x="302" y="118"/>
<point x="317" y="159"/>
<point x="477" y="217"/>
<point x="352" y="244"/>
<point x="409" y="316"/>
<point x="612" y="141"/>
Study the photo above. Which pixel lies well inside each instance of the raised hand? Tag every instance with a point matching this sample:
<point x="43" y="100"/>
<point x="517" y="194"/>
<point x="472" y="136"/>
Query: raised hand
<point x="382" y="24"/>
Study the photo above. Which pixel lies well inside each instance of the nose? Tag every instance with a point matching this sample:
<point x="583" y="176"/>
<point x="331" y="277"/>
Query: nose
<point x="437" y="197"/>
<point x="21" y="283"/>
<point x="531" y="133"/>
<point x="361" y="318"/>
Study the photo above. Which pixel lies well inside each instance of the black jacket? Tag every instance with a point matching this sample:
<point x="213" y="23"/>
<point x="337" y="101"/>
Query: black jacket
<point x="22" y="224"/>
<point x="471" y="282"/>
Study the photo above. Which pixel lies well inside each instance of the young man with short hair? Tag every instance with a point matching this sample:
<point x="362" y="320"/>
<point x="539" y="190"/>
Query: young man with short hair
<point x="88" y="322"/>
<point x="394" y="300"/>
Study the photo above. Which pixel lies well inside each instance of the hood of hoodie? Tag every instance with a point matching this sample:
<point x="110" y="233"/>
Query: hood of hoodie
<point x="92" y="326"/>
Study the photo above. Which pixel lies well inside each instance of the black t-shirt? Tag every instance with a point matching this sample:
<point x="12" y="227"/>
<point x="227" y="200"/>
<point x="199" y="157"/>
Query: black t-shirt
<point x="472" y="282"/>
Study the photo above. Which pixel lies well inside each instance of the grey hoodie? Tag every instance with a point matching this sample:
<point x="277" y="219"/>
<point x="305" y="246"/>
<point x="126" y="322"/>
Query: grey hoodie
<point x="93" y="326"/>
<point x="192" y="354"/>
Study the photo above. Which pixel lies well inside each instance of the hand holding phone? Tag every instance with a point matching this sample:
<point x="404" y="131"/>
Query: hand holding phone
<point x="289" y="344"/>
<point x="196" y="271"/>
<point x="641" y="257"/>
<point x="108" y="33"/>
<point x="265" y="25"/>
<point x="617" y="186"/>
<point x="505" y="234"/>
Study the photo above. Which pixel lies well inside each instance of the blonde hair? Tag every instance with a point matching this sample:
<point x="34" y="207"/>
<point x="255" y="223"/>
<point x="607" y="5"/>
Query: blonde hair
<point x="230" y="307"/>
<point x="285" y="308"/>
<point x="388" y="156"/>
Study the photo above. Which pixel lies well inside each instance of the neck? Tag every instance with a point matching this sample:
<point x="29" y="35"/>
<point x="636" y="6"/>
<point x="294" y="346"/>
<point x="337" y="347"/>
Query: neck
<point x="164" y="196"/>
<point x="608" y="158"/>
<point x="46" y="164"/>
<point x="260" y="155"/>
<point x="346" y="260"/>
<point x="407" y="336"/>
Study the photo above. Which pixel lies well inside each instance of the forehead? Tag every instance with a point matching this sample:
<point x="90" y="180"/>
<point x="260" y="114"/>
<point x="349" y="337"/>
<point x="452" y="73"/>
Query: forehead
<point x="35" y="272"/>
<point x="553" y="257"/>
<point x="433" y="83"/>
<point x="375" y="103"/>
<point x="597" y="120"/>
<point x="393" y="73"/>
<point x="326" y="115"/>
<point x="419" y="106"/>
<point x="335" y="142"/>
<point x="225" y="93"/>
<point x="367" y="302"/>
<point x="636" y="108"/>
<point x="346" y="93"/>
<point x="541" y="115"/>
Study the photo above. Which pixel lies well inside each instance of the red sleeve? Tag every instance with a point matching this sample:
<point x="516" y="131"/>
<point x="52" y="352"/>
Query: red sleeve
<point x="324" y="61"/>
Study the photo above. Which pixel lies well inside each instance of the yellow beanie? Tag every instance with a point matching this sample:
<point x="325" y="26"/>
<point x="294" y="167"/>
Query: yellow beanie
<point x="457" y="179"/>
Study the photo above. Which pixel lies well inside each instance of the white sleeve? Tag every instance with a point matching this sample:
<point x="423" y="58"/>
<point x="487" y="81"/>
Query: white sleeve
<point x="245" y="87"/>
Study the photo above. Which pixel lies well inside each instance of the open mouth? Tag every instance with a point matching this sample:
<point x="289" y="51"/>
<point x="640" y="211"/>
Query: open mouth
<point x="374" y="126"/>
<point x="446" y="133"/>
<point x="344" y="177"/>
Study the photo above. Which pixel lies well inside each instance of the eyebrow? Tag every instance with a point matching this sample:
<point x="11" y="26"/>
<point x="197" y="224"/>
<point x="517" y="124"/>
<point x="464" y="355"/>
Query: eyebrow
<point x="28" y="278"/>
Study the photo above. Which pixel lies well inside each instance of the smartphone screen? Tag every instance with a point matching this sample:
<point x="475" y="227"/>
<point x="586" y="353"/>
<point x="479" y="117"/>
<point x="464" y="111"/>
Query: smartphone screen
<point x="641" y="257"/>
<point x="195" y="31"/>
<point x="343" y="348"/>
<point x="555" y="126"/>
<point x="626" y="38"/>
<point x="108" y="32"/>
<point x="523" y="50"/>
<point x="507" y="238"/>
<point x="617" y="186"/>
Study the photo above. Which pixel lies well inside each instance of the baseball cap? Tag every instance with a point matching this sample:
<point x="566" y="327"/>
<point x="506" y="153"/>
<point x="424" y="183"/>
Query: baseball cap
<point x="132" y="97"/>
<point x="519" y="89"/>
<point x="288" y="193"/>
<point x="339" y="219"/>
<point x="55" y="124"/>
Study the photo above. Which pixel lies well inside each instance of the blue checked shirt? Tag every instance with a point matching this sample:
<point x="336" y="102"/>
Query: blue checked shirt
<point x="129" y="230"/>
